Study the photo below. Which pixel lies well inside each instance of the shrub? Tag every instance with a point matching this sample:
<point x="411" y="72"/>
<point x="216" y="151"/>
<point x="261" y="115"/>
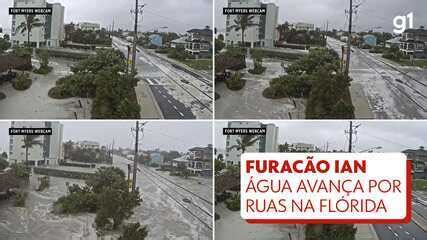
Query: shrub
<point x="20" y="170"/>
<point x="162" y="50"/>
<point x="2" y="96"/>
<point x="233" y="204"/>
<point x="134" y="231"/>
<point x="3" y="164"/>
<point x="236" y="82"/>
<point x="22" y="82"/>
<point x="20" y="199"/>
<point x="258" y="68"/>
<point x="59" y="92"/>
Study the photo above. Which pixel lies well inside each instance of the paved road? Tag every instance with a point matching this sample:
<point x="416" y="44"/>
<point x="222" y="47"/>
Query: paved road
<point x="180" y="94"/>
<point x="392" y="91"/>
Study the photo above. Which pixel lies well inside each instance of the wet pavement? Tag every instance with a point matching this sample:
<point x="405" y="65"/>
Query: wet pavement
<point x="249" y="103"/>
<point x="391" y="91"/>
<point x="194" y="93"/>
<point x="34" y="103"/>
<point x="165" y="217"/>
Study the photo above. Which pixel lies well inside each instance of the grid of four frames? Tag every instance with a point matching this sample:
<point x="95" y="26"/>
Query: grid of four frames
<point x="129" y="120"/>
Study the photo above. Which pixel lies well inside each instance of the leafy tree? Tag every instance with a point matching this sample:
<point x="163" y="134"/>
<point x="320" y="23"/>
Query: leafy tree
<point x="3" y="164"/>
<point x="20" y="170"/>
<point x="242" y="23"/>
<point x="245" y="141"/>
<point x="330" y="232"/>
<point x="134" y="231"/>
<point x="4" y="155"/>
<point x="31" y="21"/>
<point x="4" y="45"/>
<point x="284" y="147"/>
<point x="219" y="165"/>
<point x="29" y="142"/>
<point x="219" y="45"/>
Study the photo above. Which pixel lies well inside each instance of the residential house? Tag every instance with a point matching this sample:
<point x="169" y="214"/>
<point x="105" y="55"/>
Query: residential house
<point x="419" y="162"/>
<point x="302" y="147"/>
<point x="301" y="26"/>
<point x="200" y="160"/>
<point x="179" y="43"/>
<point x="394" y="42"/>
<point x="262" y="34"/>
<point x="88" y="26"/>
<point x="156" y="40"/>
<point x="414" y="42"/>
<point x="370" y="40"/>
<point x="88" y="145"/>
<point x="199" y="42"/>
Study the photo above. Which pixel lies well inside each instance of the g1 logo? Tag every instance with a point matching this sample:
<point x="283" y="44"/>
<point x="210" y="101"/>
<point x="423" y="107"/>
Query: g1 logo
<point x="400" y="23"/>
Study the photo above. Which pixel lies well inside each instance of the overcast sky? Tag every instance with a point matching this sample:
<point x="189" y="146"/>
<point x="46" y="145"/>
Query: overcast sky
<point x="166" y="135"/>
<point x="177" y="15"/>
<point x="372" y="13"/>
<point x="392" y="136"/>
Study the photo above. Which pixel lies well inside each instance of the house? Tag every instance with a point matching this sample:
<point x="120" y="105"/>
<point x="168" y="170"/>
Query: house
<point x="370" y="40"/>
<point x="262" y="34"/>
<point x="199" y="42"/>
<point x="179" y="43"/>
<point x="414" y="42"/>
<point x="156" y="40"/>
<point x="50" y="34"/>
<point x="419" y="162"/>
<point x="180" y="163"/>
<point x="156" y="158"/>
<point x="302" y="147"/>
<point x="200" y="160"/>
<point x="394" y="42"/>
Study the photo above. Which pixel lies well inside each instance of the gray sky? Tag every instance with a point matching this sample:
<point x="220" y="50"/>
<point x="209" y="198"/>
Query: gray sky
<point x="372" y="13"/>
<point x="177" y="15"/>
<point x="166" y="135"/>
<point x="392" y="136"/>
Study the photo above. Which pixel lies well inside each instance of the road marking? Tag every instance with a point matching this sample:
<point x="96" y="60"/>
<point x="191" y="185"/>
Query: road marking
<point x="169" y="101"/>
<point x="175" y="107"/>
<point x="149" y="81"/>
<point x="389" y="228"/>
<point x="163" y="95"/>
<point x="180" y="113"/>
<point x="407" y="233"/>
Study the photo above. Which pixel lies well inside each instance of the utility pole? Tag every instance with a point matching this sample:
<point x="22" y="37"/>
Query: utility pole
<point x="135" y="166"/>
<point x="135" y="37"/>
<point x="350" y="138"/>
<point x="347" y="65"/>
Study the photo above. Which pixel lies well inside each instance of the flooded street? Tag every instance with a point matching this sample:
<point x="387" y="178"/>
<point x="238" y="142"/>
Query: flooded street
<point x="165" y="217"/>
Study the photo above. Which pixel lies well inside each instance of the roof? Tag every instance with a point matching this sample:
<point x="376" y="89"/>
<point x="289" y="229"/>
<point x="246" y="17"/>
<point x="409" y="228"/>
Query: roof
<point x="205" y="32"/>
<point x="394" y="40"/>
<point x="418" y="31"/>
<point x="181" y="40"/>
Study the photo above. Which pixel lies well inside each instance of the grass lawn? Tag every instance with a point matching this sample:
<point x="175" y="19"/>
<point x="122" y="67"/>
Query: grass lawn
<point x="420" y="185"/>
<point x="418" y="62"/>
<point x="199" y="64"/>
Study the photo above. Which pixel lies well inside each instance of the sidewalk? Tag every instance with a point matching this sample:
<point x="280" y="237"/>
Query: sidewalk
<point x="149" y="106"/>
<point x="362" y="109"/>
<point x="366" y="232"/>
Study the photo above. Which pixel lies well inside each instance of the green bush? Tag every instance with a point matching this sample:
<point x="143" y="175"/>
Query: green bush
<point x="43" y="71"/>
<point x="59" y="92"/>
<point x="233" y="203"/>
<point x="22" y="82"/>
<point x="276" y="54"/>
<point x="162" y="50"/>
<point x="3" y="164"/>
<point x="20" y="170"/>
<point x="20" y="199"/>
<point x="258" y="68"/>
<point x="2" y="96"/>
<point x="134" y="231"/>
<point x="236" y="82"/>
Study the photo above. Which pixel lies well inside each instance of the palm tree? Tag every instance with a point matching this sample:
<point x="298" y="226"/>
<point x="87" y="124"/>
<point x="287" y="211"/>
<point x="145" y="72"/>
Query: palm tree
<point x="242" y="23"/>
<point x="29" y="142"/>
<point x="244" y="142"/>
<point x="31" y="21"/>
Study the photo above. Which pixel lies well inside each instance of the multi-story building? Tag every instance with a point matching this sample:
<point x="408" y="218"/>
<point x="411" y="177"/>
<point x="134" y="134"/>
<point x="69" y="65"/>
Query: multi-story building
<point x="264" y="31"/>
<point x="87" y="26"/>
<point x="265" y="143"/>
<point x="200" y="160"/>
<point x="414" y="42"/>
<point x="199" y="42"/>
<point x="50" y="34"/>
<point x="419" y="161"/>
<point x="301" y="26"/>
<point x="48" y="152"/>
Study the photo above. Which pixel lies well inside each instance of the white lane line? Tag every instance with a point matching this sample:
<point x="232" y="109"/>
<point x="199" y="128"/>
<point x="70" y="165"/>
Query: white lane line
<point x="180" y="113"/>
<point x="169" y="101"/>
<point x="175" y="107"/>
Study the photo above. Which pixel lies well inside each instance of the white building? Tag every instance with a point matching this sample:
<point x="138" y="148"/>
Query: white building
<point x="301" y="26"/>
<point x="87" y="26"/>
<point x="303" y="147"/>
<point x="49" y="152"/>
<point x="88" y="145"/>
<point x="262" y="35"/>
<point x="49" y="35"/>
<point x="265" y="143"/>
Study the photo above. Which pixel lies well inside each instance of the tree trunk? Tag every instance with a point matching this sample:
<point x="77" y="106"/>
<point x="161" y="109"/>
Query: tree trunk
<point x="26" y="156"/>
<point x="243" y="38"/>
